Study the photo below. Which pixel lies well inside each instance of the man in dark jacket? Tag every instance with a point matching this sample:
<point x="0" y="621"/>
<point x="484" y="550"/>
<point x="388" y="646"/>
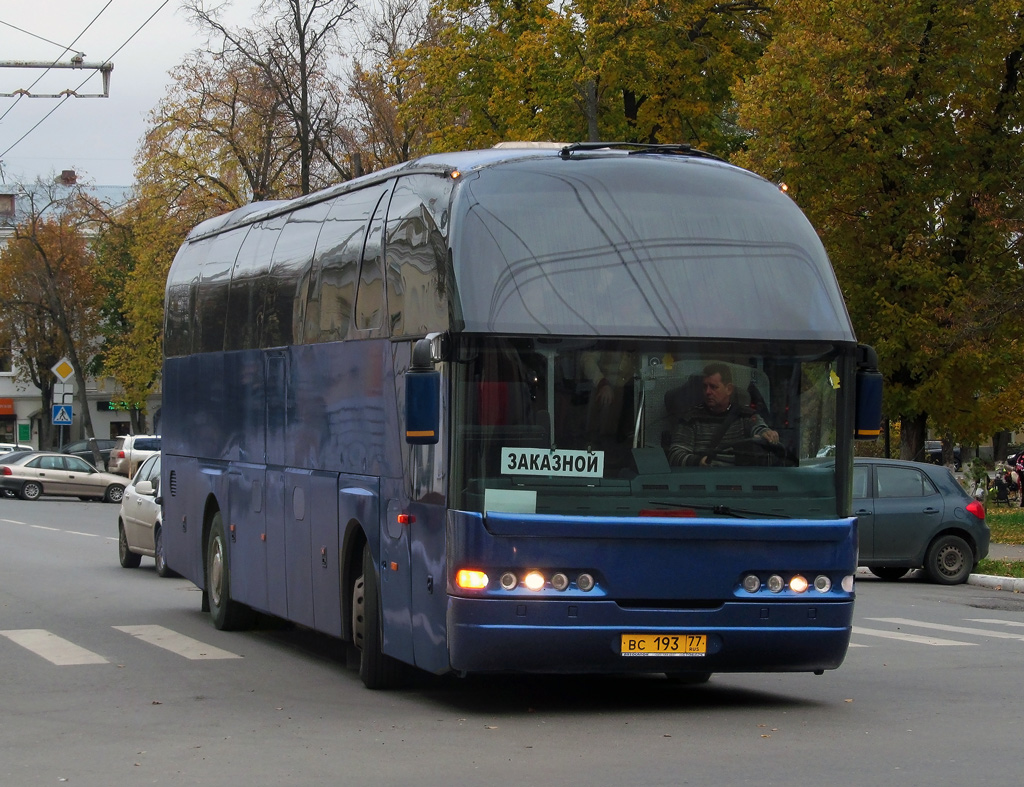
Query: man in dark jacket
<point x="709" y="432"/>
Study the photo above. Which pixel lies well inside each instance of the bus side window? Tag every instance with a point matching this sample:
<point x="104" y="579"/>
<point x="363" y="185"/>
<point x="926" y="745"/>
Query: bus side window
<point x="336" y="265"/>
<point x="416" y="255"/>
<point x="212" y="297"/>
<point x="248" y="285"/>
<point x="370" y="304"/>
<point x="288" y="281"/>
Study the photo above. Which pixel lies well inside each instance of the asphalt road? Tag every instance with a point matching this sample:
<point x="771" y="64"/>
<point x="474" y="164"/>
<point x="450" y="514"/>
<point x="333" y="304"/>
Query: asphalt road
<point x="150" y="693"/>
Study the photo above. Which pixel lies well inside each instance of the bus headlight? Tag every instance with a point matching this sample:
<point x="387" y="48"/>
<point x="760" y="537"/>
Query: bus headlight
<point x="534" y="581"/>
<point x="848" y="583"/>
<point x="471" y="580"/>
<point x="822" y="583"/>
<point x="798" y="584"/>
<point x="776" y="583"/>
<point x="509" y="580"/>
<point x="751" y="583"/>
<point x="585" y="582"/>
<point x="559" y="581"/>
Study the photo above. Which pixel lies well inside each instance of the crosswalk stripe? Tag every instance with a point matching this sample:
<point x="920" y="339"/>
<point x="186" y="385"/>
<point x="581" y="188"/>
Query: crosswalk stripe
<point x="996" y="622"/>
<point x="176" y="643"/>
<point x="915" y="638"/>
<point x="53" y="648"/>
<point x="953" y="629"/>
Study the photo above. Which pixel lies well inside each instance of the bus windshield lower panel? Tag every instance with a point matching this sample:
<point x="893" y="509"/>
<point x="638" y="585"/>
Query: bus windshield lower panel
<point x="643" y="428"/>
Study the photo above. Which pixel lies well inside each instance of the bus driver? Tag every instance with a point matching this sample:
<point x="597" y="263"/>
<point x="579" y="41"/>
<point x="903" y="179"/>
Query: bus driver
<point x="709" y="432"/>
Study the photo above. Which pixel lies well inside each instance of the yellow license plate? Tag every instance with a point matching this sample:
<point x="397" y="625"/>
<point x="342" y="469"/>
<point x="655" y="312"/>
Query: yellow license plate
<point x="664" y="644"/>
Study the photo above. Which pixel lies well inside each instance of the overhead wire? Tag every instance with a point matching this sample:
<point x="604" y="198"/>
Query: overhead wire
<point x="107" y="60"/>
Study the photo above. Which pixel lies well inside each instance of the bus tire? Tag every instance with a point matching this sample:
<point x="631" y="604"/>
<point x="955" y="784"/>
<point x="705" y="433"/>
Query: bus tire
<point x="227" y="615"/>
<point x="377" y="670"/>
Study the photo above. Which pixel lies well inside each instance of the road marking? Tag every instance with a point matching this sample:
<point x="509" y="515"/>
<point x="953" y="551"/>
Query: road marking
<point x="996" y="621"/>
<point x="77" y="533"/>
<point x="13" y="522"/>
<point x="176" y="643"/>
<point x="41" y="527"/>
<point x="908" y="637"/>
<point x="52" y="648"/>
<point x="954" y="629"/>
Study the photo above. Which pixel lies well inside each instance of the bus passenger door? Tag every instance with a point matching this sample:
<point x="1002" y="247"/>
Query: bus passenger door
<point x="396" y="584"/>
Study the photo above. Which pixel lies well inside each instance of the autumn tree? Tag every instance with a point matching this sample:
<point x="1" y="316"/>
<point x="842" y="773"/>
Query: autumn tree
<point x="383" y="81"/>
<point x="900" y="135"/>
<point x="587" y="69"/>
<point x="293" y="48"/>
<point x="48" y="295"/>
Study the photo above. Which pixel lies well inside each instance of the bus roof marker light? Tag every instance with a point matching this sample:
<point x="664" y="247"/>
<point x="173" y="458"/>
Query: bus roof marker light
<point x="534" y="581"/>
<point x="469" y="579"/>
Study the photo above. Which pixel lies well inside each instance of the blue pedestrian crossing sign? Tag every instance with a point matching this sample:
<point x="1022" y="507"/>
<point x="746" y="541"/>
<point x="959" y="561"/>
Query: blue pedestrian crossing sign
<point x="62" y="415"/>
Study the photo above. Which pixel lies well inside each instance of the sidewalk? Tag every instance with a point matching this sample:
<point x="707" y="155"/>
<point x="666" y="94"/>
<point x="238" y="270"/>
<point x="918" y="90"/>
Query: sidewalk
<point x="1001" y="552"/>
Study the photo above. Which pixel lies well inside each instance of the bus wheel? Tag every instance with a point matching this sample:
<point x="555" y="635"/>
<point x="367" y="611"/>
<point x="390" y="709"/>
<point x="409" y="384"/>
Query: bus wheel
<point x="376" y="670"/>
<point x="227" y="615"/>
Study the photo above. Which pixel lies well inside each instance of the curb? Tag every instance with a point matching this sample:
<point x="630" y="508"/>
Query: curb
<point x="1011" y="584"/>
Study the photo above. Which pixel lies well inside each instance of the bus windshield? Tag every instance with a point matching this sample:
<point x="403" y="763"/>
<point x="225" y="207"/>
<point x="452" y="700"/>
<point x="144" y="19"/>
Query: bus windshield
<point x="639" y="428"/>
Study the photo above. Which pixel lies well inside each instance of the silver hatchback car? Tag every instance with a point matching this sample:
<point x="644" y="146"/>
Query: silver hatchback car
<point x="139" y="521"/>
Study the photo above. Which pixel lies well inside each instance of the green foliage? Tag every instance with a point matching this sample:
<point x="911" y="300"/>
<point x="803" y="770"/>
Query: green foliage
<point x="1006" y="525"/>
<point x="902" y="143"/>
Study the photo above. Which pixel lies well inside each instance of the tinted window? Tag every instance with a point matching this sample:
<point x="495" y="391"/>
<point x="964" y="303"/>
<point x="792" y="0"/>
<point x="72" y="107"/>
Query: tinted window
<point x="249" y="285"/>
<point x="417" y="255"/>
<point x="338" y="252"/>
<point x="639" y="246"/>
<point x="901" y="482"/>
<point x="288" y="282"/>
<point x="212" y="298"/>
<point x="147" y="444"/>
<point x="182" y="283"/>
<point x="370" y="296"/>
<point x="861" y="477"/>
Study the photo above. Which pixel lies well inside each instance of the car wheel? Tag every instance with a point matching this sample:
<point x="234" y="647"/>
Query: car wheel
<point x="31" y="491"/>
<point x="128" y="558"/>
<point x="158" y="556"/>
<point x="377" y="670"/>
<point x="114" y="494"/>
<point x="227" y="615"/>
<point x="889" y="573"/>
<point x="949" y="560"/>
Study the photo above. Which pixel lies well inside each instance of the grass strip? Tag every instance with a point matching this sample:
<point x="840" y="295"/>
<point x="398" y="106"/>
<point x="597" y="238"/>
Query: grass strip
<point x="1001" y="568"/>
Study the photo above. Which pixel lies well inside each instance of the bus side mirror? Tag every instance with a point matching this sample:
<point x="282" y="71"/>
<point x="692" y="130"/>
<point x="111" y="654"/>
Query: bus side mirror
<point x="868" y="393"/>
<point x="423" y="391"/>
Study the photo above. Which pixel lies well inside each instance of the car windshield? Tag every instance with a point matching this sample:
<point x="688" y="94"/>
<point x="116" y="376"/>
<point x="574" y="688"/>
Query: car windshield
<point x="643" y="428"/>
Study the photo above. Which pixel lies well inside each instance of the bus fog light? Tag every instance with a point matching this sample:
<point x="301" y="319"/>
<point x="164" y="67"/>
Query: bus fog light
<point x="534" y="580"/>
<point x="585" y="582"/>
<point x="471" y="580"/>
<point x="751" y="583"/>
<point x="509" y="580"/>
<point x="822" y="583"/>
<point x="559" y="581"/>
<point x="798" y="584"/>
<point x="776" y="583"/>
<point x="848" y="583"/>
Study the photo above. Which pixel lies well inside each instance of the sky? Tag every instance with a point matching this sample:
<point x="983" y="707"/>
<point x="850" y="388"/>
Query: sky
<point x="96" y="137"/>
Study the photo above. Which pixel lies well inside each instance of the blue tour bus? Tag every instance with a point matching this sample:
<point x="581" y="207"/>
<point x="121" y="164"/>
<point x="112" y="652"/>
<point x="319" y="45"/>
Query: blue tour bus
<point x="433" y="412"/>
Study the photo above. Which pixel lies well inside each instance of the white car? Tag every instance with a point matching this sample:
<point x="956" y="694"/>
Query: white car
<point x="6" y="448"/>
<point x="130" y="451"/>
<point x="139" y="521"/>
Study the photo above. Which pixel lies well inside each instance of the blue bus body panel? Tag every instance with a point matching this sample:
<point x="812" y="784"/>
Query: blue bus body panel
<point x="653" y="575"/>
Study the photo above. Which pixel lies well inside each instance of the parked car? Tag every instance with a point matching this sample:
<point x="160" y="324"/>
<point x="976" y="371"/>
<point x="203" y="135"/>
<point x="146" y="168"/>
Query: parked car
<point x="6" y="448"/>
<point x="130" y="451"/>
<point x="916" y="515"/>
<point x="933" y="453"/>
<point x="6" y="459"/>
<point x="139" y="522"/>
<point x="42" y="473"/>
<point x="83" y="449"/>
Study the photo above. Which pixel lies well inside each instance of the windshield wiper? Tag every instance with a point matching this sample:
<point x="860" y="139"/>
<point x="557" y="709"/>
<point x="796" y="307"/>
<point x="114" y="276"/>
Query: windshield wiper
<point x="722" y="510"/>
